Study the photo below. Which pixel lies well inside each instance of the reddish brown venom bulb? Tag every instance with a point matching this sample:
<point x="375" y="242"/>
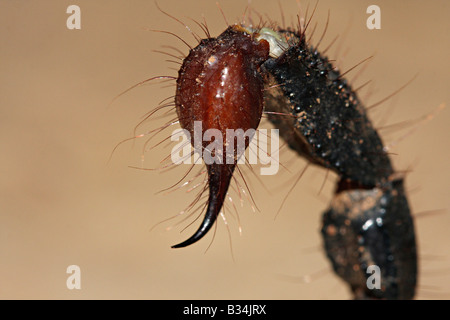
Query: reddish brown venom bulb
<point x="219" y="85"/>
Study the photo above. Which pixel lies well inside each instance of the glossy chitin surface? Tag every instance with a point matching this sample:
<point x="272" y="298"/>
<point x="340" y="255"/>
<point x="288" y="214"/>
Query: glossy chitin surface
<point x="220" y="87"/>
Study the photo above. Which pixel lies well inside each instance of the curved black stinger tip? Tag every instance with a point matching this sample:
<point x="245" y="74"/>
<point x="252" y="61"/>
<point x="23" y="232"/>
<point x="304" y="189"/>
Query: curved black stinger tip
<point x="210" y="217"/>
<point x="219" y="180"/>
<point x="207" y="223"/>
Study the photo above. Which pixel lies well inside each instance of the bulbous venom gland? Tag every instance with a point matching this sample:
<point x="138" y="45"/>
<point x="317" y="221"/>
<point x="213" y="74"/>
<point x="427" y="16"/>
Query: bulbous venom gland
<point x="220" y="85"/>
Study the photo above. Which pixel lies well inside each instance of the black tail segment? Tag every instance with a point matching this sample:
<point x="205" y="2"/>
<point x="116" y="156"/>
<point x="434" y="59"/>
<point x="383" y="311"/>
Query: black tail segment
<point x="219" y="181"/>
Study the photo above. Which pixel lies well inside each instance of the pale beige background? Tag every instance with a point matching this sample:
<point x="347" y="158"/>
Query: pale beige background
<point x="62" y="203"/>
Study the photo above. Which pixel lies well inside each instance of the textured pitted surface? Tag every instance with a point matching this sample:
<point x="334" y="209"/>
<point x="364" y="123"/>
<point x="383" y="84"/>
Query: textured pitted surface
<point x="362" y="228"/>
<point x="333" y="125"/>
<point x="369" y="221"/>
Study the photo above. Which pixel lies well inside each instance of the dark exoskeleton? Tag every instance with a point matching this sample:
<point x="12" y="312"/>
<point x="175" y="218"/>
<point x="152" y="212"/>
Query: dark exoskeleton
<point x="368" y="222"/>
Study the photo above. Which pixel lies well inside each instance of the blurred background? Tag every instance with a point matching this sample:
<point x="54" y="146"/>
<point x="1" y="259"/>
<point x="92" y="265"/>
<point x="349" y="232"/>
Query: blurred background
<point x="63" y="202"/>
